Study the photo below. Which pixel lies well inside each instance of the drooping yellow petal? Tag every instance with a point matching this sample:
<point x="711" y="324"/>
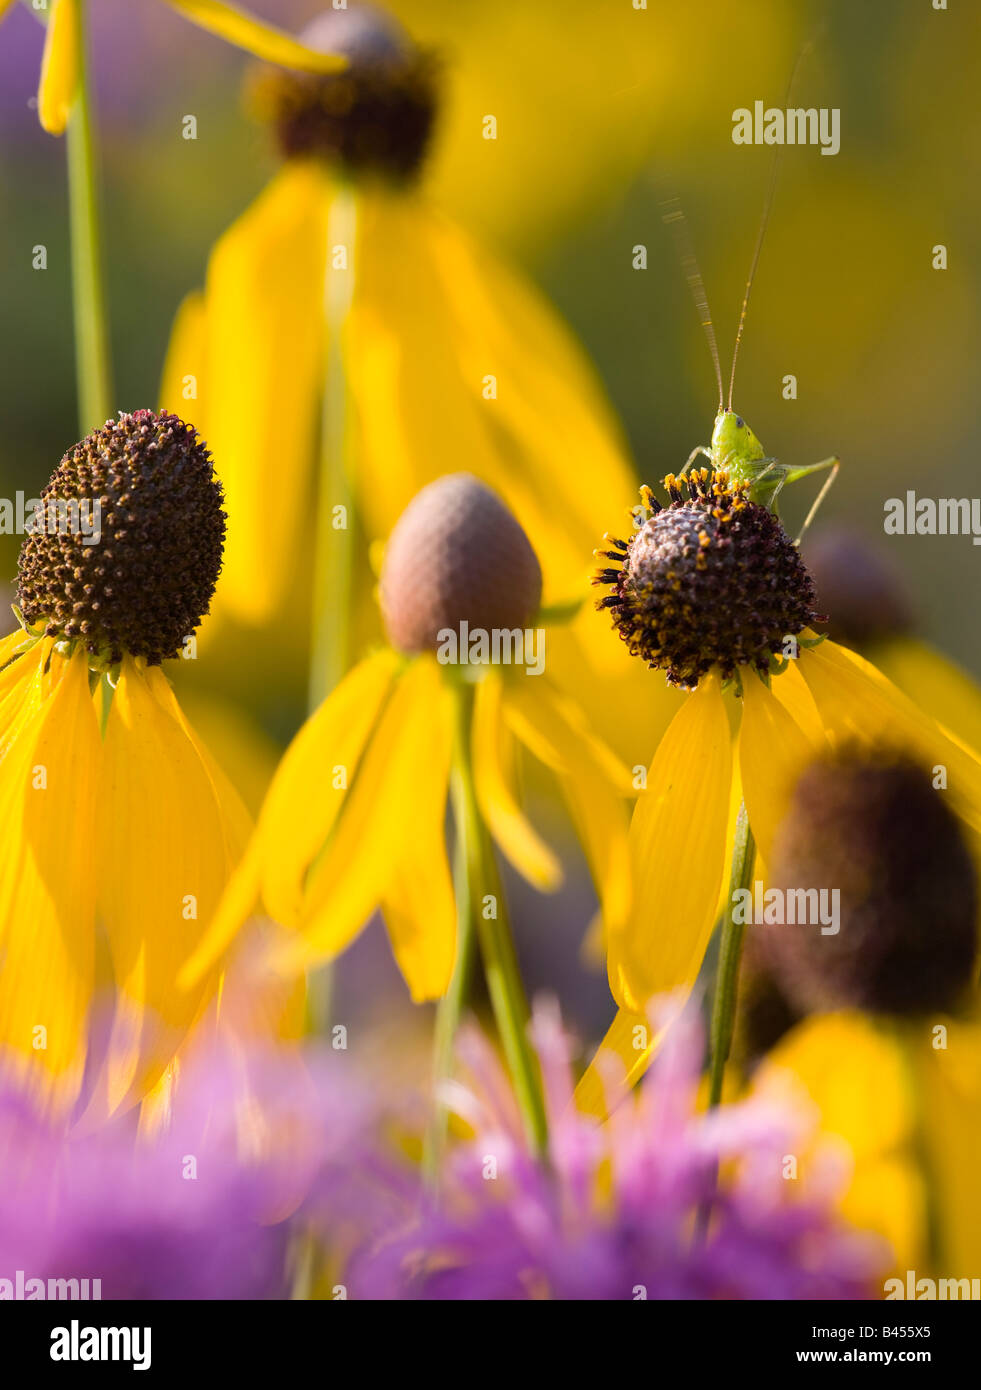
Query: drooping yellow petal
<point x="621" y="1059"/>
<point x="492" y="758"/>
<point x="934" y="683"/>
<point x="59" y="67"/>
<point x="262" y="381"/>
<point x="858" y="704"/>
<point x="791" y="690"/>
<point x="419" y="906"/>
<point x="165" y="847"/>
<point x="949" y="1097"/>
<point x="378" y="829"/>
<point x="677" y="849"/>
<point x="47" y="887"/>
<point x="184" y="369"/>
<point x="773" y="752"/>
<point x="853" y="1070"/>
<point x="303" y="802"/>
<point x="22" y="690"/>
<point x="453" y="356"/>
<point x="265" y="41"/>
<point x="593" y="781"/>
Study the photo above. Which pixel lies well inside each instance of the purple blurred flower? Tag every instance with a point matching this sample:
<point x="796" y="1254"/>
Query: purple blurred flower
<point x="611" y="1214"/>
<point x="198" y="1208"/>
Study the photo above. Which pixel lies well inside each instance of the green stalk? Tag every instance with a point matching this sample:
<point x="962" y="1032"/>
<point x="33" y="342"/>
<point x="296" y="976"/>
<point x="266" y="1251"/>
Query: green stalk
<point x="92" y="364"/>
<point x="333" y="564"/>
<point x="330" y="644"/>
<point x="730" y="953"/>
<point x="727" y="977"/>
<point x="501" y="971"/>
<point x="466" y="891"/>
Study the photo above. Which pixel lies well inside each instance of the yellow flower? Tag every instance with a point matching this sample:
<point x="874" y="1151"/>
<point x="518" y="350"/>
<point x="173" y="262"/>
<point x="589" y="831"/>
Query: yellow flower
<point x="354" y="819"/>
<point x="61" y="61"/>
<point x="712" y="591"/>
<point x="448" y="355"/>
<point x="872" y="612"/>
<point x="136" y="832"/>
<point x="902" y="1102"/>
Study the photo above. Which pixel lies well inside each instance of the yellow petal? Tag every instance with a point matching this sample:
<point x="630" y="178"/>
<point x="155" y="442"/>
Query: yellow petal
<point x="182" y="380"/>
<point x="419" y="907"/>
<point x="621" y="1060"/>
<point x="164" y="854"/>
<point x="677" y="847"/>
<point x="773" y="752"/>
<point x="59" y="67"/>
<point x="453" y="356"/>
<point x="47" y="888"/>
<point x="791" y="690"/>
<point x="378" y="829"/>
<point x="593" y="781"/>
<point x="492" y="758"/>
<point x="300" y="809"/>
<point x="265" y="41"/>
<point x="262" y="382"/>
<point x="858" y="704"/>
<point x="852" y="1069"/>
<point x="950" y="1099"/>
<point x="934" y="683"/>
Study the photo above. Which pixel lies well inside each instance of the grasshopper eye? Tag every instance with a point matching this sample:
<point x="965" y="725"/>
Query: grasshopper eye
<point x="741" y="424"/>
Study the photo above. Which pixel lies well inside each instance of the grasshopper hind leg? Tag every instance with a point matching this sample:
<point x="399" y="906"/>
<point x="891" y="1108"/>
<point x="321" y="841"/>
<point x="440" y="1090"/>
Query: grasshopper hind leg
<point x="834" y="463"/>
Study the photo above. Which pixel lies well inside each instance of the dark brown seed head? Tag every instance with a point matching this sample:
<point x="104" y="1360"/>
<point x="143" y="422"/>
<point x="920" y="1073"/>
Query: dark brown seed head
<point x="144" y="586"/>
<point x="880" y="833"/>
<point x="374" y="117"/>
<point x="862" y="593"/>
<point x="711" y="582"/>
<point x="457" y="555"/>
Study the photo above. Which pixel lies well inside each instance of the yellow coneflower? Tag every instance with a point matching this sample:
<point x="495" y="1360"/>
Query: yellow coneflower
<point x="136" y="832"/>
<point x="894" y="1064"/>
<point x="61" y="60"/>
<point x="872" y="612"/>
<point x="343" y="301"/>
<point x="355" y="817"/>
<point x="712" y="591"/>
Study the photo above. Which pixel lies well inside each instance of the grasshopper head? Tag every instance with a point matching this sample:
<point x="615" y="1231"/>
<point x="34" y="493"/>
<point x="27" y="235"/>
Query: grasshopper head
<point x="734" y="443"/>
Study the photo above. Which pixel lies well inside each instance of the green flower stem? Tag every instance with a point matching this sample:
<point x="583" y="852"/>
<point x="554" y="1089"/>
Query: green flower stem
<point x="727" y="980"/>
<point x="92" y="364"/>
<point x="330" y="645"/>
<point x="465" y="889"/>
<point x="333" y="564"/>
<point x="488" y="921"/>
<point x="730" y="953"/>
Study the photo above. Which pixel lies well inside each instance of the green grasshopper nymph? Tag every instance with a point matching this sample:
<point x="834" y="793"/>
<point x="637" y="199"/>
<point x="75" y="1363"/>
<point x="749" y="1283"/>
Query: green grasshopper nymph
<point x="734" y="447"/>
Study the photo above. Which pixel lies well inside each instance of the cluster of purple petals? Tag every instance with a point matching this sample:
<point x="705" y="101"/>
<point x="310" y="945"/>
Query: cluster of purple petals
<point x="611" y="1214"/>
<point x="202" y="1207"/>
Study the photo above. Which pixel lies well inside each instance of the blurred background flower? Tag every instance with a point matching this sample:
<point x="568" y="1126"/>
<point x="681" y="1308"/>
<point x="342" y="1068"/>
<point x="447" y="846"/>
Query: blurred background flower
<point x="597" y="106"/>
<point x="609" y="1213"/>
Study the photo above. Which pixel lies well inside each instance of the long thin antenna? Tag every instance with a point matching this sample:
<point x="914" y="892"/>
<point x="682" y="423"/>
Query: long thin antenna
<point x="764" y="222"/>
<point x="673" y="216"/>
